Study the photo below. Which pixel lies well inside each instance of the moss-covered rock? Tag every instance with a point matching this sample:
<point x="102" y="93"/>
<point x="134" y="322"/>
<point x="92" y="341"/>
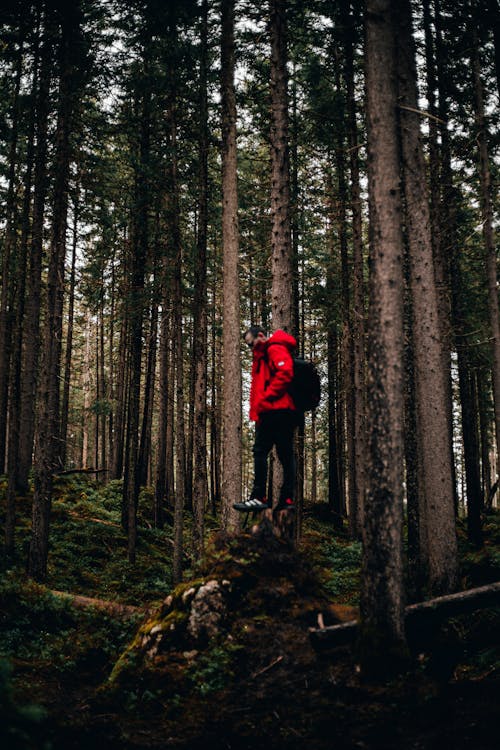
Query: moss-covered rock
<point x="253" y="593"/>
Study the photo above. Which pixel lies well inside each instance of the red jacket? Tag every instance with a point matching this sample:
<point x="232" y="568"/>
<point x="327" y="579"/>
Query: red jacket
<point x="272" y="371"/>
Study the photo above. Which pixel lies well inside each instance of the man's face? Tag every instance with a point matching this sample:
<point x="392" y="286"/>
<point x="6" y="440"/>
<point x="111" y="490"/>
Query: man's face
<point x="250" y="340"/>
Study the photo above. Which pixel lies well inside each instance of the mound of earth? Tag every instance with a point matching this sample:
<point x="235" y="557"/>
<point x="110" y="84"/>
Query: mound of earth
<point x="227" y="660"/>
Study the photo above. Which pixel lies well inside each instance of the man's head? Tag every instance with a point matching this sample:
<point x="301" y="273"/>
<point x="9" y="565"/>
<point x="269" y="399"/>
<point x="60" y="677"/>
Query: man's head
<point x="253" y="334"/>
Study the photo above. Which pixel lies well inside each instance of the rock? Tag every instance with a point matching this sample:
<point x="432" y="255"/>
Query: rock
<point x="208" y="610"/>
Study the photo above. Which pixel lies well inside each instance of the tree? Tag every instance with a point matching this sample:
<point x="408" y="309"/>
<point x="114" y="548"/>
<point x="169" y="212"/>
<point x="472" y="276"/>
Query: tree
<point x="437" y="514"/>
<point x="487" y="223"/>
<point x="71" y="61"/>
<point x="200" y="485"/>
<point x="231" y="471"/>
<point x="382" y="641"/>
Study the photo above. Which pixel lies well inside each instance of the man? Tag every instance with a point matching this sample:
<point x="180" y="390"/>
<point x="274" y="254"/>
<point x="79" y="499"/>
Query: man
<point x="273" y="410"/>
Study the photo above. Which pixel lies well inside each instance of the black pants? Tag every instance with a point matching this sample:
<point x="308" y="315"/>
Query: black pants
<point x="275" y="428"/>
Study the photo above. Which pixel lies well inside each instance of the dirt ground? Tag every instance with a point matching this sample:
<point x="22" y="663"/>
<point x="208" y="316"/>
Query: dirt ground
<point x="261" y="684"/>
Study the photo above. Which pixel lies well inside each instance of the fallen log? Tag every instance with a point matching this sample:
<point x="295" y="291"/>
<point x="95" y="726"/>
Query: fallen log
<point x="112" y="608"/>
<point x="421" y="619"/>
<point x="67" y="472"/>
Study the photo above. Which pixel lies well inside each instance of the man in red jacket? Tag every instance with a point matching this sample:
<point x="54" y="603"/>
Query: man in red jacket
<point x="273" y="411"/>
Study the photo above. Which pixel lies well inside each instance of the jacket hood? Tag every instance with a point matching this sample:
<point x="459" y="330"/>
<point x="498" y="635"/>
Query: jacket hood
<point x="282" y="337"/>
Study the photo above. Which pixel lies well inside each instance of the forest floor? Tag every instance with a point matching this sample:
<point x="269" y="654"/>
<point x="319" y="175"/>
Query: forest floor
<point x="82" y="677"/>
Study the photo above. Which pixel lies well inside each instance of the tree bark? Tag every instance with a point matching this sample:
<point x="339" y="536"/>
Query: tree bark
<point x="281" y="238"/>
<point x="358" y="315"/>
<point x="147" y="415"/>
<point x="31" y="332"/>
<point x="135" y="312"/>
<point x="382" y="641"/>
<point x="437" y="211"/>
<point x="8" y="280"/>
<point x="232" y="387"/>
<point x="200" y="318"/>
<point x="47" y="428"/>
<point x="15" y="384"/>
<point x="436" y="477"/>
<point x="488" y="229"/>
<point x="69" y="336"/>
<point x="282" y="268"/>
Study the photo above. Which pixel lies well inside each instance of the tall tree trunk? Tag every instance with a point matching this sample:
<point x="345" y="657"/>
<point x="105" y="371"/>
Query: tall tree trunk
<point x="200" y="319"/>
<point x="358" y="315"/>
<point x="282" y="297"/>
<point x="86" y="386"/>
<point x="120" y="400"/>
<point x="281" y="239"/>
<point x="488" y="229"/>
<point x="298" y="308"/>
<point x="147" y="414"/>
<point x="232" y="387"/>
<point x="140" y="242"/>
<point x="47" y="428"/>
<point x="102" y="378"/>
<point x="31" y="337"/>
<point x="177" y="341"/>
<point x="347" y="347"/>
<point x="8" y="281"/>
<point x="161" y="461"/>
<point x="483" y="398"/>
<point x="470" y="437"/>
<point x="430" y="376"/>
<point x="15" y="385"/>
<point x="215" y="404"/>
<point x="417" y="560"/>
<point x="335" y="489"/>
<point x="441" y="260"/>
<point x="334" y="484"/>
<point x="451" y="249"/>
<point x="494" y="24"/>
<point x="69" y="337"/>
<point x="382" y="640"/>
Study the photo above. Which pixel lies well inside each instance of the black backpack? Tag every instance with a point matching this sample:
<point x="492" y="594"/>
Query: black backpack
<point x="305" y="388"/>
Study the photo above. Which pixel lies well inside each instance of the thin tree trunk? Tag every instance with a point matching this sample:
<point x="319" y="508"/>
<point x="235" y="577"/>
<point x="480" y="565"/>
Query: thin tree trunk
<point x="200" y="486"/>
<point x="430" y="376"/>
<point x="358" y="315"/>
<point x="282" y="266"/>
<point x="441" y="260"/>
<point x="334" y="485"/>
<point x="102" y="360"/>
<point x="482" y="396"/>
<point x="451" y="249"/>
<point x="417" y="551"/>
<point x="281" y="239"/>
<point x="147" y="415"/>
<point x="47" y="429"/>
<point x="69" y="337"/>
<point x="31" y="337"/>
<point x="161" y="460"/>
<point x="15" y="385"/>
<point x="470" y="437"/>
<point x="178" y="349"/>
<point x="86" y="393"/>
<point x="120" y="408"/>
<point x="8" y="280"/>
<point x="232" y="387"/>
<point x="488" y="229"/>
<point x="382" y="641"/>
<point x="140" y="240"/>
